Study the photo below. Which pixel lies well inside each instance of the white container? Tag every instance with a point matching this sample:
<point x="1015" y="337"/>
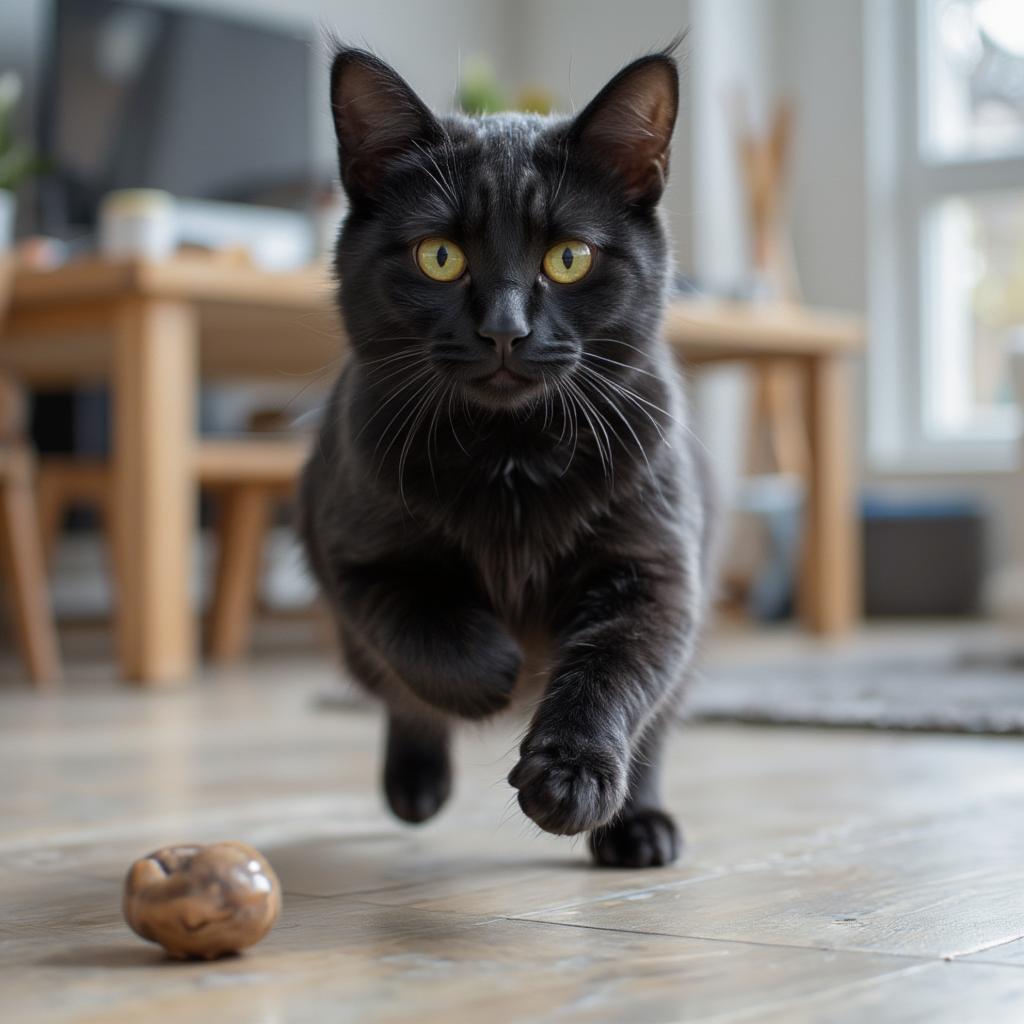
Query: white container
<point x="138" y="223"/>
<point x="8" y="211"/>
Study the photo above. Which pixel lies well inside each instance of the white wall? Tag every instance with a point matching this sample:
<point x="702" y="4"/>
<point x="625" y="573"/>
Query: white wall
<point x="821" y="64"/>
<point x="733" y="53"/>
<point x="573" y="47"/>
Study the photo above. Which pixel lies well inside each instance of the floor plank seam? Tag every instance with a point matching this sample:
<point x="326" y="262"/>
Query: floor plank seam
<point x="913" y="957"/>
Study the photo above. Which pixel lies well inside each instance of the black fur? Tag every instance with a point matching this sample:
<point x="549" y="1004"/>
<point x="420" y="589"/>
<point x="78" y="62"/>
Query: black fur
<point x="453" y="520"/>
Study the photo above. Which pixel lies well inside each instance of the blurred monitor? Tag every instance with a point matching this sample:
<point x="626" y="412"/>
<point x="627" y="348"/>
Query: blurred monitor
<point x="144" y="96"/>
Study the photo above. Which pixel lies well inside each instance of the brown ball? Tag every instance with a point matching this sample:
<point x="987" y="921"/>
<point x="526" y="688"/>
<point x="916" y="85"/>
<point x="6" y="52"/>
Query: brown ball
<point x="202" y="901"/>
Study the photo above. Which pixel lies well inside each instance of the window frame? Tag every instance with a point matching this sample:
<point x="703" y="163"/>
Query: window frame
<point x="907" y="181"/>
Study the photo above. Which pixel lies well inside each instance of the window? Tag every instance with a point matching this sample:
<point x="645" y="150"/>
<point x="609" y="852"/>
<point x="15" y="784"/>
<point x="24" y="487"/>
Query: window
<point x="973" y="64"/>
<point x="950" y="173"/>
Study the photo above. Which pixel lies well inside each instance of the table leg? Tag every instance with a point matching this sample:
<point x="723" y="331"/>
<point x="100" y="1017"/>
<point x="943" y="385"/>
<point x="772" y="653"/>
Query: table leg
<point x="21" y="550"/>
<point x="154" y="508"/>
<point x="830" y="587"/>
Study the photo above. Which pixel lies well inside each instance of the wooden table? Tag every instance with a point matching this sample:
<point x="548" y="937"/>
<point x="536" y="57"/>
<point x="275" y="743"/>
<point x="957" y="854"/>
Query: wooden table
<point x="153" y="330"/>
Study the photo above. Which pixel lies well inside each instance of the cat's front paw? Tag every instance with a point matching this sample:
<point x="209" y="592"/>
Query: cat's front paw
<point x="569" y="785"/>
<point x="645" y="838"/>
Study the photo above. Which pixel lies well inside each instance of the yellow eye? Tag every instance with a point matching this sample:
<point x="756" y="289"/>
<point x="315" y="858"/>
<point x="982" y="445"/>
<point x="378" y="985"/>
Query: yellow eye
<point x="440" y="259"/>
<point x="568" y="262"/>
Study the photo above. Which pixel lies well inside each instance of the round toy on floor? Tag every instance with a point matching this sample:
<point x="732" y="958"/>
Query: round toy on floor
<point x="202" y="901"/>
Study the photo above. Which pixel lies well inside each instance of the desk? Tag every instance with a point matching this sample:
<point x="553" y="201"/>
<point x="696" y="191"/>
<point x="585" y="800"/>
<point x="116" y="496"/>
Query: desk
<point x="153" y="330"/>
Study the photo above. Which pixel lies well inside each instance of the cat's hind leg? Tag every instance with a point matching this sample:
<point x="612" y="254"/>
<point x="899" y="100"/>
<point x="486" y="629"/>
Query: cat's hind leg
<point x="642" y="834"/>
<point x="417" y="766"/>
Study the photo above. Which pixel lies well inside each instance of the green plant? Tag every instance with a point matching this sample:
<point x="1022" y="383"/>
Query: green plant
<point x="18" y="160"/>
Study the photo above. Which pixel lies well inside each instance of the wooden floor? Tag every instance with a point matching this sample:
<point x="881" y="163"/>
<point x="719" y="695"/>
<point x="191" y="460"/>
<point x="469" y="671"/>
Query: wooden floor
<point x="829" y="876"/>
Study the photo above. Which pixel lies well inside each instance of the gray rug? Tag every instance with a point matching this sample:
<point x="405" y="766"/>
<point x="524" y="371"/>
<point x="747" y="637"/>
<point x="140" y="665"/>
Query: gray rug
<point x="941" y="689"/>
<point x="941" y="692"/>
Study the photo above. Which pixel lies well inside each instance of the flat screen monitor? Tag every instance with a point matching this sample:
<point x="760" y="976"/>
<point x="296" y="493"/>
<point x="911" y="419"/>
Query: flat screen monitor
<point x="146" y="96"/>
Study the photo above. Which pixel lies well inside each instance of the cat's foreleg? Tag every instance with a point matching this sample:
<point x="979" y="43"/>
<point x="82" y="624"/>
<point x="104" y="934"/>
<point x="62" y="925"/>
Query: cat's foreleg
<point x="434" y="633"/>
<point x="621" y="652"/>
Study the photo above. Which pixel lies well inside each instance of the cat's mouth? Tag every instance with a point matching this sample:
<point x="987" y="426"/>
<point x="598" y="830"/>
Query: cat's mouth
<point x="503" y="379"/>
<point x="503" y="387"/>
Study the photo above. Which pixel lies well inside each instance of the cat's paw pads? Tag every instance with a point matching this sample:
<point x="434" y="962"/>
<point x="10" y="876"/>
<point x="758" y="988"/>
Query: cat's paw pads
<point x="569" y="786"/>
<point x="639" y="839"/>
<point x="416" y="792"/>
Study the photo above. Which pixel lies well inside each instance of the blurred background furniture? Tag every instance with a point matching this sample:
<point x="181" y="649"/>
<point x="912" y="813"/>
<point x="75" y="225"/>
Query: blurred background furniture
<point x="814" y="349"/>
<point x="153" y="330"/>
<point x="20" y="547"/>
<point x="248" y="479"/>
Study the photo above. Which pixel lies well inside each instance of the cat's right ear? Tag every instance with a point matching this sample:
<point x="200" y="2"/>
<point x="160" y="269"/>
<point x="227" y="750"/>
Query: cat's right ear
<point x="377" y="117"/>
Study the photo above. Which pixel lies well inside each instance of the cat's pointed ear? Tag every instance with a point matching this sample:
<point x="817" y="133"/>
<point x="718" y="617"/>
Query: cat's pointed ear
<point x="377" y="117"/>
<point x="628" y="125"/>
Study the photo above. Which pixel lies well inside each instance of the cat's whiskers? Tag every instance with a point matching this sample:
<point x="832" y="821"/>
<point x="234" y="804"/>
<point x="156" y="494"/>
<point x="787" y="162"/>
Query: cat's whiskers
<point x="432" y="432"/>
<point x="569" y="419"/>
<point x="451" y="421"/>
<point x="586" y="407"/>
<point x="316" y="371"/>
<point x="383" y="360"/>
<point x="321" y="372"/>
<point x="320" y="375"/>
<point x="606" y="425"/>
<point x="609" y="397"/>
<point x="547" y="404"/>
<point x="625" y="366"/>
<point x="619" y="341"/>
<point x="622" y="391"/>
<point x="416" y="401"/>
<point x="403" y="367"/>
<point x="632" y="396"/>
<point x="421" y="411"/>
<point x="422" y="378"/>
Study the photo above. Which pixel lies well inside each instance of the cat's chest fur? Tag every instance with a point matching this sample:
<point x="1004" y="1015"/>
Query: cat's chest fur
<point x="515" y="516"/>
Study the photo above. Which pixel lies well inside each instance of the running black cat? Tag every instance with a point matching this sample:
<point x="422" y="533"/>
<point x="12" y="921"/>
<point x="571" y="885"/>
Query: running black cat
<point x="504" y="491"/>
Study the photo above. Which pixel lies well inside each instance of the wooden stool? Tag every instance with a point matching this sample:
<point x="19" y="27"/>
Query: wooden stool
<point x="247" y="478"/>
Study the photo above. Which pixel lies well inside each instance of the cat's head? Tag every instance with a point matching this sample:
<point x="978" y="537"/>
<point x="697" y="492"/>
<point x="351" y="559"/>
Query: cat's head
<point x="498" y="256"/>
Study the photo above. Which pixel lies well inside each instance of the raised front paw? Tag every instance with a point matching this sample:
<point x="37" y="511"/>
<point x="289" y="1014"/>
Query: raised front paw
<point x="470" y="671"/>
<point x="568" y="784"/>
<point x="645" y="838"/>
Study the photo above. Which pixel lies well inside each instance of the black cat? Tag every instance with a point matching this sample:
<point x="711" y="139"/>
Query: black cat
<point x="504" y="466"/>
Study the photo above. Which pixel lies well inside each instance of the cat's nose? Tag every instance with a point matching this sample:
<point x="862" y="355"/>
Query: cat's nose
<point x="504" y="324"/>
<point x="504" y="341"/>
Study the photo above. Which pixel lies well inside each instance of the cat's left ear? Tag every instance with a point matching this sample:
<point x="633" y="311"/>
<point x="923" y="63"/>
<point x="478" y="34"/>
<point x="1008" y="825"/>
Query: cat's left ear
<point x="628" y="125"/>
